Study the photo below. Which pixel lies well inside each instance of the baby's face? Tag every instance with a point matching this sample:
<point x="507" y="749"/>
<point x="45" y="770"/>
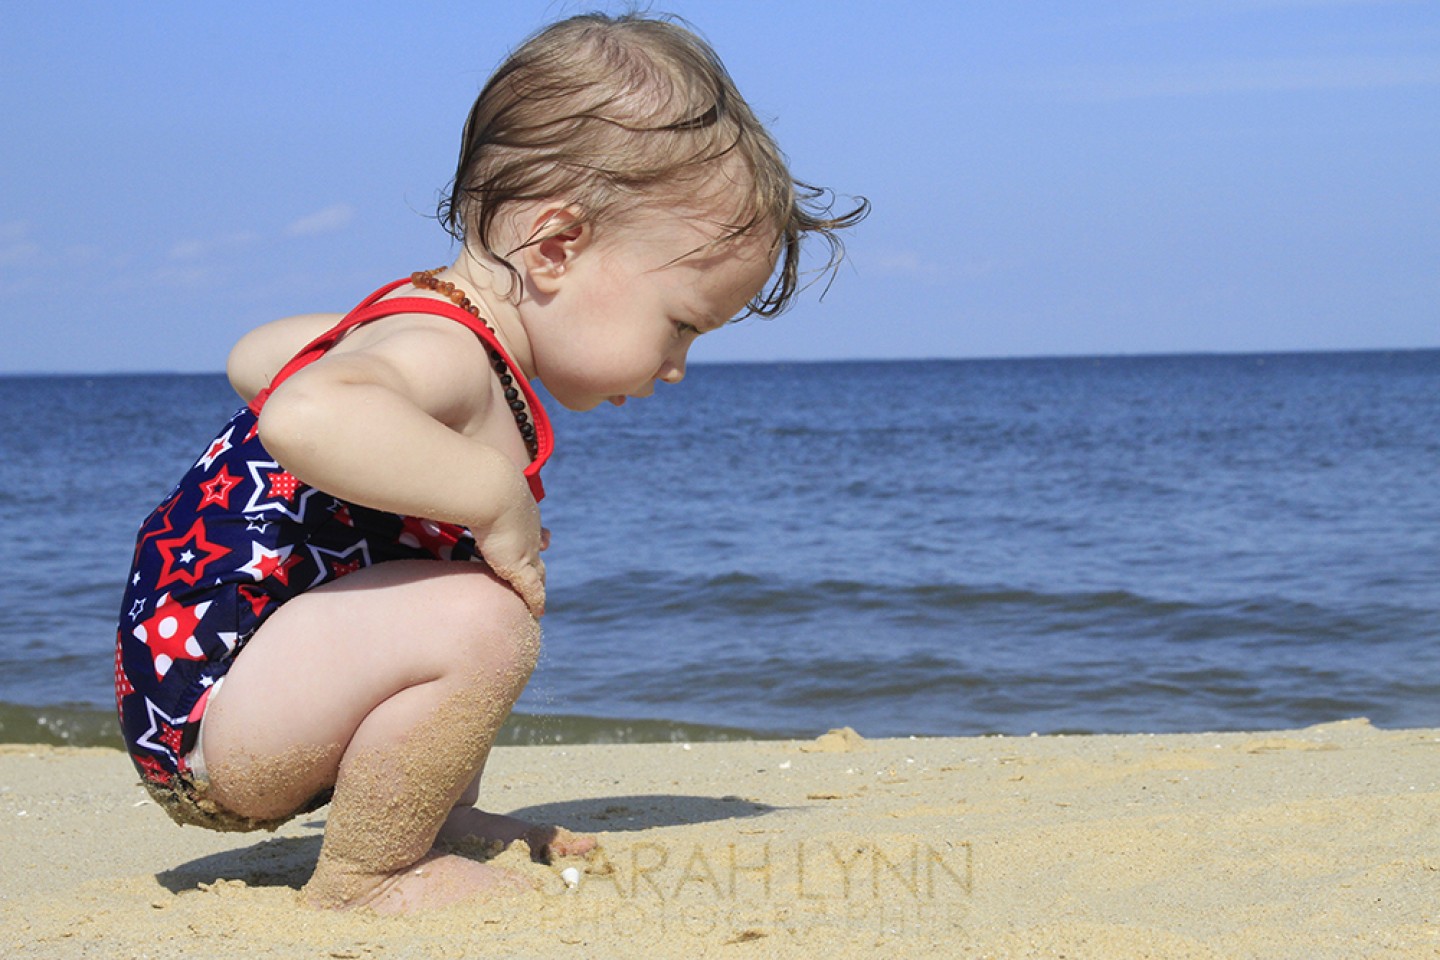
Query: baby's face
<point x="633" y="302"/>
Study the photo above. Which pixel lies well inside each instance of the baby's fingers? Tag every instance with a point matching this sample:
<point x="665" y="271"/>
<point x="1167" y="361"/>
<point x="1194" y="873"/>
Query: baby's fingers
<point x="529" y="582"/>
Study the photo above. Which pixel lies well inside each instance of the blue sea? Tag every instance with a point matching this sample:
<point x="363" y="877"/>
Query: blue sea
<point x="1116" y="544"/>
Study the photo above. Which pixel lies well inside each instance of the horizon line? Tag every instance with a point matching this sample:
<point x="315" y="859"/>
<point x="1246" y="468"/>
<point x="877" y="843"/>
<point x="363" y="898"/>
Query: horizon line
<point x="979" y="358"/>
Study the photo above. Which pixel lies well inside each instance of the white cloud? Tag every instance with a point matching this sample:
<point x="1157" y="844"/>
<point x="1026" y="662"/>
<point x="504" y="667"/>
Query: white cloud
<point x="195" y="249"/>
<point x="187" y="276"/>
<point x="902" y="263"/>
<point x="200" y="249"/>
<point x="332" y="218"/>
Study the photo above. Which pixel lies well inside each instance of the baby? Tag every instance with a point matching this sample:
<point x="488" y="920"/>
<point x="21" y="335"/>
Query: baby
<point x="355" y="559"/>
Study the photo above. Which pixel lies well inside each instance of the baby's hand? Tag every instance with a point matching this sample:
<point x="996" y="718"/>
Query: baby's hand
<point x="511" y="547"/>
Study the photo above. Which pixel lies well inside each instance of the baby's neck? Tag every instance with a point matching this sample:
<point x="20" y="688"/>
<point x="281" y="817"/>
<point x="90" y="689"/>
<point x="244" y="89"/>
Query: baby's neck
<point x="496" y="292"/>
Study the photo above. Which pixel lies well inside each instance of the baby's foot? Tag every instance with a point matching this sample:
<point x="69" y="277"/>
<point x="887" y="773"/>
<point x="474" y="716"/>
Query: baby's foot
<point x="469" y="827"/>
<point x="436" y="880"/>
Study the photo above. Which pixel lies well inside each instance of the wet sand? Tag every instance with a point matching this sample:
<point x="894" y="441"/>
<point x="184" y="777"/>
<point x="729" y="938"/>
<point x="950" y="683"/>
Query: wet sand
<point x="1314" y="843"/>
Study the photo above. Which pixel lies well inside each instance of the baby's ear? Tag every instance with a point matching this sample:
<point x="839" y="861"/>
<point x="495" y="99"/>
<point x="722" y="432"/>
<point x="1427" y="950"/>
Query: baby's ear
<point x="564" y="235"/>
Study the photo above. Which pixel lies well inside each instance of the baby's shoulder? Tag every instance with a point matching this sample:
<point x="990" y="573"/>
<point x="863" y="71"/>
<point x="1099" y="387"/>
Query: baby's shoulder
<point x="439" y="364"/>
<point x="431" y="344"/>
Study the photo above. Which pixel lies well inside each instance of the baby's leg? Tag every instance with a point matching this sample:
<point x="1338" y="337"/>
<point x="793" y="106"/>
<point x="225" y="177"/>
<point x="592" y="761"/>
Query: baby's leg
<point x="466" y="825"/>
<point x="390" y="685"/>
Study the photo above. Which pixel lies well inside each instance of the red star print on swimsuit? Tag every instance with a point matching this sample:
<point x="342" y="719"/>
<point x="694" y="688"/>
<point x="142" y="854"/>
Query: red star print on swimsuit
<point x="276" y="490"/>
<point x="282" y="485"/>
<point x="171" y="737"/>
<point x="161" y="514"/>
<point x="187" y="556"/>
<point x="257" y="599"/>
<point x="163" y="734"/>
<point x="265" y="563"/>
<point x="123" y="686"/>
<point x="150" y="768"/>
<point x="342" y="568"/>
<point x="218" y="448"/>
<point x="217" y="489"/>
<point x="170" y="634"/>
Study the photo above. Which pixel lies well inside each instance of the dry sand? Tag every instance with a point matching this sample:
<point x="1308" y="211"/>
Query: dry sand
<point x="1323" y="842"/>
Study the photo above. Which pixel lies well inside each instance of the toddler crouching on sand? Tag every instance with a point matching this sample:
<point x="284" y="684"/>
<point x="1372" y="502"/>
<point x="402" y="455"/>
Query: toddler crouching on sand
<point x="338" y="602"/>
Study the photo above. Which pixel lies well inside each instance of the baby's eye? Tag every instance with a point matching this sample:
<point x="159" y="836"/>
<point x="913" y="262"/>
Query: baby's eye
<point x="683" y="327"/>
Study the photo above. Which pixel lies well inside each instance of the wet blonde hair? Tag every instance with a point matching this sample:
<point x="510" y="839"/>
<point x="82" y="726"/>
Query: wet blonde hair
<point x="611" y="113"/>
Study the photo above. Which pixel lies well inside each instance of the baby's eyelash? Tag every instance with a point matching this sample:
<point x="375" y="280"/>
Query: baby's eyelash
<point x="684" y="327"/>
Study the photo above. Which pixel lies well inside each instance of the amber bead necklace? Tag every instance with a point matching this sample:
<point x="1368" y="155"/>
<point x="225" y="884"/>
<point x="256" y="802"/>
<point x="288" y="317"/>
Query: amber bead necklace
<point x="425" y="280"/>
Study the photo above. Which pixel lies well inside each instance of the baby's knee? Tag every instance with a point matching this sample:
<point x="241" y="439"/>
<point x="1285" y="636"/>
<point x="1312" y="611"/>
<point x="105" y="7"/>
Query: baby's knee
<point x="516" y="640"/>
<point x="497" y="630"/>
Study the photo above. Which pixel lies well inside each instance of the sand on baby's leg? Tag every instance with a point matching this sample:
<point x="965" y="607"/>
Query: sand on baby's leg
<point x="468" y="828"/>
<point x="389" y="684"/>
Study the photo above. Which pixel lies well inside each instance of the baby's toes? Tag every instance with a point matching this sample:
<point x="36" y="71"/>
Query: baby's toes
<point x="548" y="844"/>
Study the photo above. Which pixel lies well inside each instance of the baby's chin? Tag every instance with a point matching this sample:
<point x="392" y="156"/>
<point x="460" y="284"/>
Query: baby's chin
<point x="583" y="404"/>
<point x="580" y="404"/>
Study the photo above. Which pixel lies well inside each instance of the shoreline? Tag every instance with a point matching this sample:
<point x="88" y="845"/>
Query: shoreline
<point x="77" y="726"/>
<point x="1319" y="842"/>
<point x="71" y="725"/>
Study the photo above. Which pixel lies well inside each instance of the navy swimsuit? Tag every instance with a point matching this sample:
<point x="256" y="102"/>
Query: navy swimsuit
<point x="238" y="537"/>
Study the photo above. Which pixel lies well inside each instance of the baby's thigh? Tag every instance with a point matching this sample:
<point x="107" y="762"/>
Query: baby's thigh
<point x="319" y="665"/>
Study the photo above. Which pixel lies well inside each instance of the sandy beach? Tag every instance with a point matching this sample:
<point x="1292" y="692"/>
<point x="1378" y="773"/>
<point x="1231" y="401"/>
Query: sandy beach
<point x="1321" y="842"/>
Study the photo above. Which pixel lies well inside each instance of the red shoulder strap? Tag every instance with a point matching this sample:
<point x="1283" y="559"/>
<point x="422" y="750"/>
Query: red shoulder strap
<point x="373" y="308"/>
<point x="318" y="347"/>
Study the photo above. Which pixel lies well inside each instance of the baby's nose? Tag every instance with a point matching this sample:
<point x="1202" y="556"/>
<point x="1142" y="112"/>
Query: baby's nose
<point x="672" y="372"/>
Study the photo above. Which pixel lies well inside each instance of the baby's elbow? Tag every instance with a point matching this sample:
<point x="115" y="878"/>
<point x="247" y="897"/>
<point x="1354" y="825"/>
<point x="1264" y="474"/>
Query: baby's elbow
<point x="248" y="366"/>
<point x="293" y="424"/>
<point x="238" y="372"/>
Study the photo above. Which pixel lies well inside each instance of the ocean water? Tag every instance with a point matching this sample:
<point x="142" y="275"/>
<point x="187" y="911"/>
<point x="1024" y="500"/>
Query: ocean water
<point x="933" y="548"/>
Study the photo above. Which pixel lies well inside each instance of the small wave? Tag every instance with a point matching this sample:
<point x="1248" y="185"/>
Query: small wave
<point x="741" y="594"/>
<point x="737" y="600"/>
<point x="539" y="729"/>
<point x="59" y="726"/>
<point x="83" y="726"/>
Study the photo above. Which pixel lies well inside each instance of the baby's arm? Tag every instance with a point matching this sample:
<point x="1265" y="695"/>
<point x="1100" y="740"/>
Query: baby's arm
<point x="384" y="423"/>
<point x="260" y="354"/>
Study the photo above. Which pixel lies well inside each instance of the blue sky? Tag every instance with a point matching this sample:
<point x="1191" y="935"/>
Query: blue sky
<point x="1048" y="178"/>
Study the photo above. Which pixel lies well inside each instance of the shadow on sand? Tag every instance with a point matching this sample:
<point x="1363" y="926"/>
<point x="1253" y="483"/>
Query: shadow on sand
<point x="289" y="861"/>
